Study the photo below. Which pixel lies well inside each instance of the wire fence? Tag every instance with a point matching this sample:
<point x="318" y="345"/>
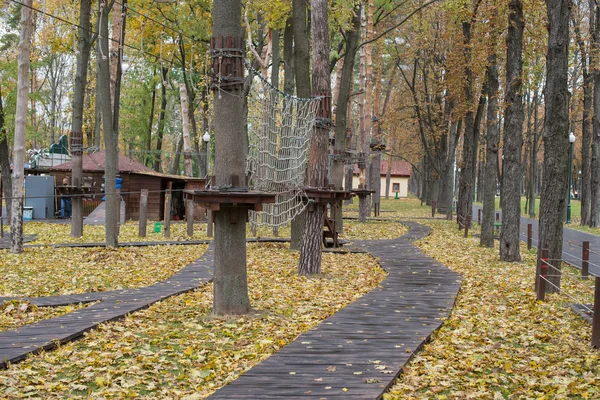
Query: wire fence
<point x="584" y="294"/>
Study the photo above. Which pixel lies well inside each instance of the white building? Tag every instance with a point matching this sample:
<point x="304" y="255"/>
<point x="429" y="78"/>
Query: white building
<point x="400" y="172"/>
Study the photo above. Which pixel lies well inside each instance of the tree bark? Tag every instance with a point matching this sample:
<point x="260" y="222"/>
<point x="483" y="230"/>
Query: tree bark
<point x="586" y="132"/>
<point x="556" y="141"/>
<point x="16" y="224"/>
<point x="149" y="158"/>
<point x="5" y="161"/>
<point x="83" y="57"/>
<point x="194" y="140"/>
<point x="161" y="118"/>
<point x="310" y="253"/>
<point x="230" y="274"/>
<point x="187" y="145"/>
<point x="595" y="189"/>
<point x="491" y="148"/>
<point x="513" y="137"/>
<point x="110" y="136"/>
<point x="343" y="99"/>
<point x="302" y="69"/>
<point x="465" y="195"/>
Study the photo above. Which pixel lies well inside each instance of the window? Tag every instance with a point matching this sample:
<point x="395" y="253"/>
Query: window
<point x="396" y="187"/>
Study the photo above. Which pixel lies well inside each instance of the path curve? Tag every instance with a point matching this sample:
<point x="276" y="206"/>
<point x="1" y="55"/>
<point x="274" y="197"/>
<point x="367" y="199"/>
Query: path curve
<point x="358" y="352"/>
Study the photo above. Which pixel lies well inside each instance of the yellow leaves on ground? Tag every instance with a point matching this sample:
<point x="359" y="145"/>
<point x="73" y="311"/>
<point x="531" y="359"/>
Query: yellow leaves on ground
<point x="177" y="349"/>
<point x="499" y="342"/>
<point x="52" y="233"/>
<point x="373" y="230"/>
<point x="49" y="272"/>
<point x="15" y="314"/>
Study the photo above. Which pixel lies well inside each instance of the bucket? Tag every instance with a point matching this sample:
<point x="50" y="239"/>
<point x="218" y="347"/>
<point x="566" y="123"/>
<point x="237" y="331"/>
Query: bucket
<point x="27" y="213"/>
<point x="157" y="227"/>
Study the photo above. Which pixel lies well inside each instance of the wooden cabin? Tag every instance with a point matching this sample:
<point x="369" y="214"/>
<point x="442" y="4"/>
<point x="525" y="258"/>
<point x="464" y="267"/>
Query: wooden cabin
<point x="136" y="177"/>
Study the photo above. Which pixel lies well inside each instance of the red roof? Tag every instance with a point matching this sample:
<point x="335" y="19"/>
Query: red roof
<point x="399" y="168"/>
<point x="97" y="161"/>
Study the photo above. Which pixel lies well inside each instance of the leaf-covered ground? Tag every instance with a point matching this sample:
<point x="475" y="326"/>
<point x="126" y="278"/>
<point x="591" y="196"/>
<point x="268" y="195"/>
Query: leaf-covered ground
<point x="53" y="233"/>
<point x="15" y="314"/>
<point x="49" y="271"/>
<point x="500" y="343"/>
<point x="176" y="349"/>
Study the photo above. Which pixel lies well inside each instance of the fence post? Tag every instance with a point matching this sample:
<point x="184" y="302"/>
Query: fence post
<point x="143" y="212"/>
<point x="433" y="205"/>
<point x="479" y="216"/>
<point x="529" y="235"/>
<point x="585" y="258"/>
<point x="168" y="199"/>
<point x="189" y="215"/>
<point x="596" y="320"/>
<point x="543" y="268"/>
<point x="467" y="224"/>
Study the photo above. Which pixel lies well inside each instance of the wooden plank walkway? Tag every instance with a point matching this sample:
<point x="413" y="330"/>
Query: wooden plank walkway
<point x="15" y="345"/>
<point x="358" y="352"/>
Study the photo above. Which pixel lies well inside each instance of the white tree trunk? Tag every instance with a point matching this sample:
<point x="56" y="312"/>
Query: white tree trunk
<point x="20" y="130"/>
<point x="187" y="145"/>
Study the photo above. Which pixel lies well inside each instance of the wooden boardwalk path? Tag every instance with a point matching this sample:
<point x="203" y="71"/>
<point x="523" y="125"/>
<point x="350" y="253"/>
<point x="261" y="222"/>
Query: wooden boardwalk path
<point x="355" y="354"/>
<point x="15" y="345"/>
<point x="358" y="352"/>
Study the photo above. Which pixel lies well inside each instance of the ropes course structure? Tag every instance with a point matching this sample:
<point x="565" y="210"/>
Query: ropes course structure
<point x="280" y="128"/>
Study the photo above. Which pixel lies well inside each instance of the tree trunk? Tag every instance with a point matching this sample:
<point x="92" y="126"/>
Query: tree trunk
<point x="302" y="69"/>
<point x="513" y="137"/>
<point x="341" y="114"/>
<point x="595" y="189"/>
<point x="83" y="57"/>
<point x="161" y="118"/>
<point x="5" y="162"/>
<point x="445" y="197"/>
<point x="110" y="136"/>
<point x="193" y="133"/>
<point x="556" y="141"/>
<point x="230" y="274"/>
<point x="465" y="195"/>
<point x="149" y="158"/>
<point x="533" y="157"/>
<point x="586" y="132"/>
<point x="16" y="222"/>
<point x="491" y="148"/>
<point x="187" y="145"/>
<point x="363" y="164"/>
<point x="310" y="253"/>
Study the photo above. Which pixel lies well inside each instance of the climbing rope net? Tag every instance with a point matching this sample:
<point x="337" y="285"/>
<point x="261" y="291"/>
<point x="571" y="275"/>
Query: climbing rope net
<point x="280" y="128"/>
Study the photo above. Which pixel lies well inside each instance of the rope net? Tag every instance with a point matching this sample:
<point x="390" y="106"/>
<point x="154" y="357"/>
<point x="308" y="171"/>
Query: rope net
<point x="280" y="128"/>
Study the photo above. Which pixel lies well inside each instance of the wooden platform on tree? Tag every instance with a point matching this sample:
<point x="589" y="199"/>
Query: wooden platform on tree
<point x="358" y="352"/>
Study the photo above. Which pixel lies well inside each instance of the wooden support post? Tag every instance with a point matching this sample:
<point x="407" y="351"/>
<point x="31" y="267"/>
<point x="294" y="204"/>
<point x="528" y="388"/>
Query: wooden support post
<point x="479" y="216"/>
<point x="529" y="235"/>
<point x="168" y="210"/>
<point x="189" y="216"/>
<point x="433" y="204"/>
<point x="596" y="318"/>
<point x="143" y="212"/>
<point x="543" y="273"/>
<point x="585" y="260"/>
<point x="467" y="224"/>
<point x="209" y="223"/>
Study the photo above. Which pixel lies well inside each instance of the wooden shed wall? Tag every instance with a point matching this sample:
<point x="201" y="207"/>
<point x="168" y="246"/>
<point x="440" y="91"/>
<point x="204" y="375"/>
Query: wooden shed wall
<point x="134" y="184"/>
